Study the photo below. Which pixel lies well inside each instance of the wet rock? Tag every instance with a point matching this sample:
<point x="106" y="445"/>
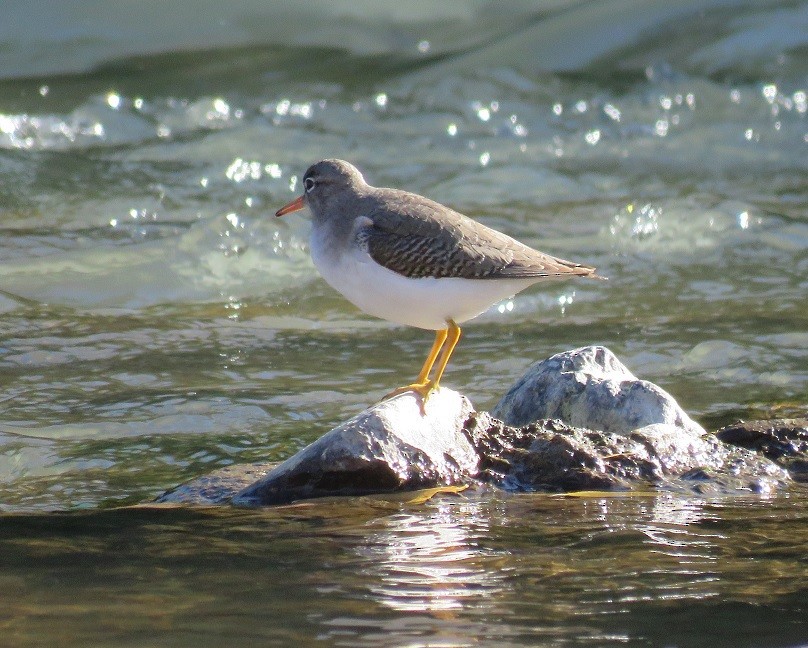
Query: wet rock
<point x="784" y="441"/>
<point x="545" y="456"/>
<point x="217" y="487"/>
<point x="389" y="447"/>
<point x="550" y="455"/>
<point x="576" y="421"/>
<point x="590" y="388"/>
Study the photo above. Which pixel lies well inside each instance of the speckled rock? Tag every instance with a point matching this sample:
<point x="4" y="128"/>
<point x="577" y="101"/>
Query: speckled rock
<point x="389" y="447"/>
<point x="784" y="441"/>
<point x="590" y="388"/>
<point x="549" y="455"/>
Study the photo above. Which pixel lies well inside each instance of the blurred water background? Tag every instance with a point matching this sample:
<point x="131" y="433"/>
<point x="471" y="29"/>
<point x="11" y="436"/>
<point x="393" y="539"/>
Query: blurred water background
<point x="156" y="321"/>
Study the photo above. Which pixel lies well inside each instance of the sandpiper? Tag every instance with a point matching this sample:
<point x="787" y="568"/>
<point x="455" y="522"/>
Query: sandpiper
<point x="410" y="260"/>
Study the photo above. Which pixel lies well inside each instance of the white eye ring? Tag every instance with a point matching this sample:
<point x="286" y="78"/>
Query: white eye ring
<point x="308" y="184"/>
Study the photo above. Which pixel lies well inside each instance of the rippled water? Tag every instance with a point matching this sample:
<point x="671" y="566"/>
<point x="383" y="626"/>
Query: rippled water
<point x="486" y="569"/>
<point x="157" y="322"/>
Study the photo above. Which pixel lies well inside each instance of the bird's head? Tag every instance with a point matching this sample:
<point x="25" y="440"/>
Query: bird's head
<point x="327" y="186"/>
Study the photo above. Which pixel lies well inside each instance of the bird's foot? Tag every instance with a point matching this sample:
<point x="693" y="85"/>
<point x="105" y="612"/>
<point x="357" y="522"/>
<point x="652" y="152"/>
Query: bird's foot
<point x="424" y="390"/>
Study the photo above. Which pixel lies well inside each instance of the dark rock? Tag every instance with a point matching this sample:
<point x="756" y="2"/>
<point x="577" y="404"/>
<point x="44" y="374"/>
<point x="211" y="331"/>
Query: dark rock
<point x="552" y="456"/>
<point x="543" y="456"/>
<point x="784" y="441"/>
<point x="217" y="487"/>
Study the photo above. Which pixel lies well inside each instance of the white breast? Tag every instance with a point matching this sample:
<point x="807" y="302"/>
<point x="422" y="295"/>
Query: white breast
<point x="424" y="303"/>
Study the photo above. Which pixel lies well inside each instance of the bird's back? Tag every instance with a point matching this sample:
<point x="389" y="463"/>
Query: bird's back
<point x="418" y="237"/>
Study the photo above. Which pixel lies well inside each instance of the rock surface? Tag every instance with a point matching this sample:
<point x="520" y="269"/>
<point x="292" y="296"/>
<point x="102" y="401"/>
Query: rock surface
<point x="590" y="388"/>
<point x="784" y="441"/>
<point x="217" y="487"/>
<point x="577" y="421"/>
<point x="549" y="455"/>
<point x="389" y="447"/>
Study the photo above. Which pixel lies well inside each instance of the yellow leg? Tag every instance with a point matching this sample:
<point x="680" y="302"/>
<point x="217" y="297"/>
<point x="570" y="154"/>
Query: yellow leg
<point x="440" y="338"/>
<point x="445" y="340"/>
<point x="422" y="384"/>
<point x="453" y="337"/>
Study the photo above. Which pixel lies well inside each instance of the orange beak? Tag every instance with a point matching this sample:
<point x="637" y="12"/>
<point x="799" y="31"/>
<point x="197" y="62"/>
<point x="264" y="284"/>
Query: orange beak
<point x="296" y="205"/>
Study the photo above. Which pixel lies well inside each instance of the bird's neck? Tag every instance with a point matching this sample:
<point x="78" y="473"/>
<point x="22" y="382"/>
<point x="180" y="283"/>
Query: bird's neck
<point x="332" y="233"/>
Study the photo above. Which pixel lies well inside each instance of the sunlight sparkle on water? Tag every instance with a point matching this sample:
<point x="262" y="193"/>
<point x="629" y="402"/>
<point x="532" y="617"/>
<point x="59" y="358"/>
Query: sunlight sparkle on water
<point x="566" y="300"/>
<point x="285" y="107"/>
<point x="647" y="221"/>
<point x="505" y="307"/>
<point x="221" y="107"/>
<point x="427" y="562"/>
<point x="637" y="223"/>
<point x="114" y="100"/>
<point x="592" y="137"/>
<point x="800" y="101"/>
<point x="516" y="128"/>
<point x="485" y="111"/>
<point x="241" y="170"/>
<point x="612" y="112"/>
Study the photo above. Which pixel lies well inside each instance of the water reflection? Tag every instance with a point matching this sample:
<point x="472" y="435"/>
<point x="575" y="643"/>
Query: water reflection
<point x="491" y="570"/>
<point x="431" y="560"/>
<point x="539" y="569"/>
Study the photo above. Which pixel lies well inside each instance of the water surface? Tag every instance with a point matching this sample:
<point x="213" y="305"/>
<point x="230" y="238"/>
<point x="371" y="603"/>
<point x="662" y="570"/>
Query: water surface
<point x="156" y="321"/>
<point x="477" y="570"/>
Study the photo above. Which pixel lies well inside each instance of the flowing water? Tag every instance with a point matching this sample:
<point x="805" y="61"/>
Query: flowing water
<point x="157" y="322"/>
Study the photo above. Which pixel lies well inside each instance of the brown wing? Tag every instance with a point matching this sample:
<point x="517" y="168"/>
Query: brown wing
<point x="417" y="237"/>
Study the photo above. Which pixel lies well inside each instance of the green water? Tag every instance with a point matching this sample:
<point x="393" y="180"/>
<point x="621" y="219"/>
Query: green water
<point x="157" y="322"/>
<point x="478" y="570"/>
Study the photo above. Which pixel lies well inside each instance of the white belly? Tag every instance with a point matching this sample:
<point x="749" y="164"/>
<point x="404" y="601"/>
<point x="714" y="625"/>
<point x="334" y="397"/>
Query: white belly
<point x="426" y="303"/>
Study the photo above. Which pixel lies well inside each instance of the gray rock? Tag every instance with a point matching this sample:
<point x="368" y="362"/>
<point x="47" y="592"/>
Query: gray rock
<point x="590" y="388"/>
<point x="217" y="487"/>
<point x="576" y="421"/>
<point x="391" y="446"/>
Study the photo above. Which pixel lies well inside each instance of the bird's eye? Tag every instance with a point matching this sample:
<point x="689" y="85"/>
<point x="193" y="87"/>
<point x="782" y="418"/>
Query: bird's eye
<point x="308" y="184"/>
